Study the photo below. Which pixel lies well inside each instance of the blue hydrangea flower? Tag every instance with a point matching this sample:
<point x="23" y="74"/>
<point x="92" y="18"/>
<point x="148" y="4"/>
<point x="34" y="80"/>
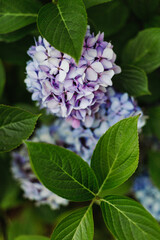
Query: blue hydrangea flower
<point x="147" y="194"/>
<point x="116" y="107"/>
<point x="64" y="88"/>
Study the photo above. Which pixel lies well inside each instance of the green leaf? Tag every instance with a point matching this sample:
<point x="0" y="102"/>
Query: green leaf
<point x="28" y="237"/>
<point x="16" y="35"/>
<point x="144" y="9"/>
<point x="144" y="50"/>
<point x="132" y="80"/>
<point x="154" y="86"/>
<point x="154" y="120"/>
<point x="154" y="166"/>
<point x="17" y="14"/>
<point x="91" y="3"/>
<point x="2" y="78"/>
<point x="76" y="226"/>
<point x="128" y="220"/>
<point x="115" y="157"/>
<point x="106" y="17"/>
<point x="62" y="171"/>
<point x="16" y="125"/>
<point x="64" y="26"/>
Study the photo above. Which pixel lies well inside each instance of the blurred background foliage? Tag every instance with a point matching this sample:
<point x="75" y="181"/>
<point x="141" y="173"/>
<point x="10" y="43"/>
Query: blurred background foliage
<point x="121" y="21"/>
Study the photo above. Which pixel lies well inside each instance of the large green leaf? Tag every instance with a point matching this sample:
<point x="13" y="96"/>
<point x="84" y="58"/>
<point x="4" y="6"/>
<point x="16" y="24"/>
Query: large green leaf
<point x="115" y="157"/>
<point x="106" y="17"/>
<point x="28" y="237"/>
<point x="64" y="25"/>
<point x="2" y="78"/>
<point x="144" y="8"/>
<point x="128" y="220"/>
<point x="17" y="14"/>
<point x="132" y="80"/>
<point x="154" y="166"/>
<point x="16" y="125"/>
<point x="91" y="3"/>
<point x="62" y="171"/>
<point x="144" y="50"/>
<point x="76" y="226"/>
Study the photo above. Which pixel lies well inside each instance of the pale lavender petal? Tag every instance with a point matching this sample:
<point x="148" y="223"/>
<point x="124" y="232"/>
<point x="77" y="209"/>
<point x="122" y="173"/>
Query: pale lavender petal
<point x="97" y="66"/>
<point x="40" y="56"/>
<point x="61" y="76"/>
<point x="64" y="65"/>
<point x="91" y="74"/>
<point x="108" y="53"/>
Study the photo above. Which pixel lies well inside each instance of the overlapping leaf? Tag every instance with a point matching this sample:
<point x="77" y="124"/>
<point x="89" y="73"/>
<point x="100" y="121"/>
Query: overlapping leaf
<point x="17" y="14"/>
<point x="16" y="125"/>
<point x="64" y="25"/>
<point x="144" y="50"/>
<point x="128" y="220"/>
<point x="62" y="171"/>
<point x="78" y="225"/>
<point x="115" y="157"/>
<point x="132" y="80"/>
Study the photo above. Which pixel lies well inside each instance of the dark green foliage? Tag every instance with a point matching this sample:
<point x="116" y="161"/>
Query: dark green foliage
<point x="69" y="28"/>
<point x="16" y="125"/>
<point x="132" y="80"/>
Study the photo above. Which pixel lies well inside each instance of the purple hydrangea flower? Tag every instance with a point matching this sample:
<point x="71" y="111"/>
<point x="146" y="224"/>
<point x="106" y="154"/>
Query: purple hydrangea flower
<point x="64" y="88"/>
<point x="147" y="194"/>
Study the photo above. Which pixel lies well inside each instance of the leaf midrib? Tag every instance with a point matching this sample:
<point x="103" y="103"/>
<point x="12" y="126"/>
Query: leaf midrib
<point x="84" y="187"/>
<point x="63" y="20"/>
<point x="18" y="14"/>
<point x="83" y="218"/>
<point x="20" y="121"/>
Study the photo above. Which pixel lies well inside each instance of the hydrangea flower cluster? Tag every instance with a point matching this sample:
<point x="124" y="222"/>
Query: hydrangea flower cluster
<point x="64" y="88"/>
<point x="147" y="194"/>
<point x="29" y="183"/>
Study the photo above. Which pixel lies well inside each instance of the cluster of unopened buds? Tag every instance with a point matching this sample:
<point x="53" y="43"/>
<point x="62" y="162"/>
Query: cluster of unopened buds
<point x="82" y="98"/>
